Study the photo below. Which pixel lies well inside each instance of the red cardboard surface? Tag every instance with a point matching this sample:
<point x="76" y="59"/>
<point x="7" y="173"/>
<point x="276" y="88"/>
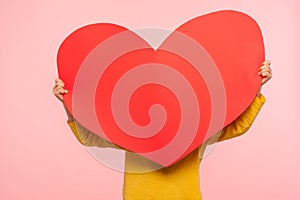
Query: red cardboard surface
<point x="162" y="103"/>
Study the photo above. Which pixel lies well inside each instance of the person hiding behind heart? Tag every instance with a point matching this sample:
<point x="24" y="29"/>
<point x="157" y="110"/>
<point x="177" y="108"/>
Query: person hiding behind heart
<point x="179" y="181"/>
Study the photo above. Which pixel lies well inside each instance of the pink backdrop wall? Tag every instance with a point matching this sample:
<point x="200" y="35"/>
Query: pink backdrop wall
<point x="41" y="159"/>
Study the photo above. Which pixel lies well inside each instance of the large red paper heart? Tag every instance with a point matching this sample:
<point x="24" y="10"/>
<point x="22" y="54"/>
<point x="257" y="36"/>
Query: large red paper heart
<point x="162" y="103"/>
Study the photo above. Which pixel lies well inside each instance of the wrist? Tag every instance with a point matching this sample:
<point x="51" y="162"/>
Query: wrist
<point x="258" y="92"/>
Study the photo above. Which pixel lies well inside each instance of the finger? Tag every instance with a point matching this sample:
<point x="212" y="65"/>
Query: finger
<point x="59" y="91"/>
<point x="263" y="69"/>
<point x="59" y="95"/>
<point x="264" y="66"/>
<point x="57" y="86"/>
<point x="62" y="91"/>
<point x="267" y="62"/>
<point x="59" y="81"/>
<point x="266" y="74"/>
<point x="60" y="84"/>
<point x="265" y="79"/>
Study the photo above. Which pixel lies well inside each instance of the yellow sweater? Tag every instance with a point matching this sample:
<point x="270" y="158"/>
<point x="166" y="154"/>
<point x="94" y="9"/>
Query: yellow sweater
<point x="179" y="181"/>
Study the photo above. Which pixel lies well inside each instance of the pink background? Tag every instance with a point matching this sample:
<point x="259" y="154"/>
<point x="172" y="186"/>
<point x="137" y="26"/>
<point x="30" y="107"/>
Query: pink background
<point x="41" y="159"/>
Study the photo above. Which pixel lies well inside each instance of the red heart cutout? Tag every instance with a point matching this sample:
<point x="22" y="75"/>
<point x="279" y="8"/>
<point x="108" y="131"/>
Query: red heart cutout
<point x="162" y="103"/>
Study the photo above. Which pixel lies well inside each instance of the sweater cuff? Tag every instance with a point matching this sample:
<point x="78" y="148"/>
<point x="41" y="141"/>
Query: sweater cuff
<point x="259" y="101"/>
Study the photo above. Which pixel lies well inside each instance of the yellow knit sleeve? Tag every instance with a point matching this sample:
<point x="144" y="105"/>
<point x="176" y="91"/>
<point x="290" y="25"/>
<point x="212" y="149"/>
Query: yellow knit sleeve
<point x="74" y="130"/>
<point x="87" y="138"/>
<point x="244" y="121"/>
